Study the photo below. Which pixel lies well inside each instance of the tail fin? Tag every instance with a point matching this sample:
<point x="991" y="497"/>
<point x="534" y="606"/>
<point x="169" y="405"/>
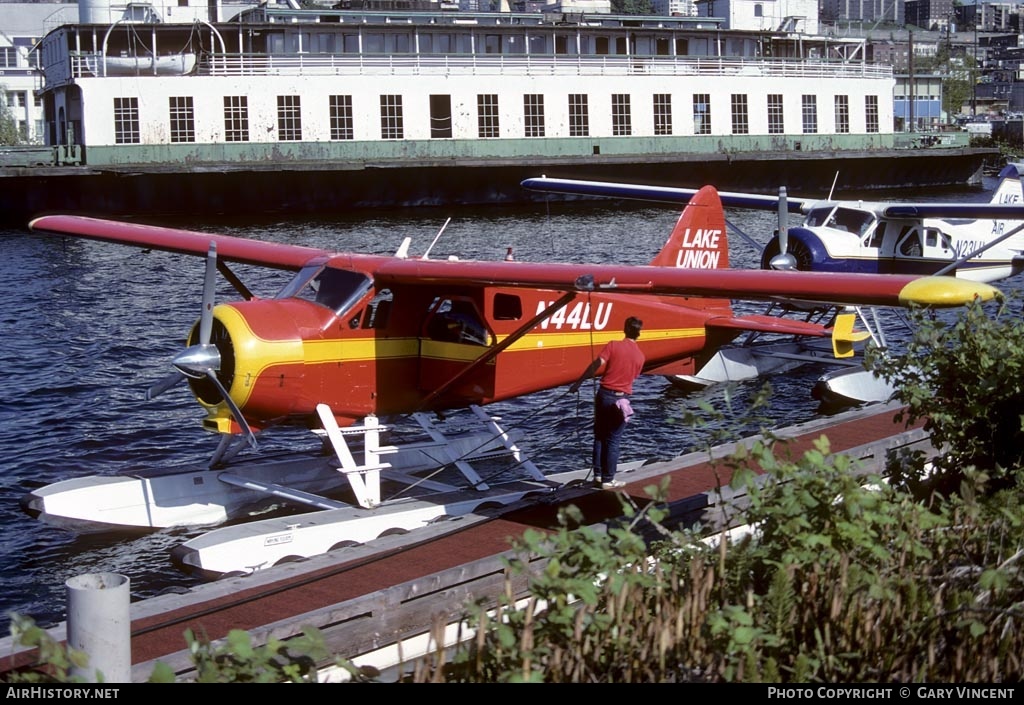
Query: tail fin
<point x="1009" y="189"/>
<point x="699" y="240"/>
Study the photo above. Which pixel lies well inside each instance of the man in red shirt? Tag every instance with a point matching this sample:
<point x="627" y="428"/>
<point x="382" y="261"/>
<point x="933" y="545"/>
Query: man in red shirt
<point x="623" y="361"/>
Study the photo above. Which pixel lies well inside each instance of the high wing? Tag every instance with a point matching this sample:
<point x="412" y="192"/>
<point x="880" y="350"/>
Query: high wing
<point x="764" y="285"/>
<point x="662" y="194"/>
<point x="975" y="211"/>
<point x="232" y="249"/>
<point x="669" y="194"/>
<point x="978" y="241"/>
<point x="814" y="287"/>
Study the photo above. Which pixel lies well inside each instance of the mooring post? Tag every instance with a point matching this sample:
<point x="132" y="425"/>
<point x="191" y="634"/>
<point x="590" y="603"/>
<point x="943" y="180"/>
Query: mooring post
<point x="99" y="624"/>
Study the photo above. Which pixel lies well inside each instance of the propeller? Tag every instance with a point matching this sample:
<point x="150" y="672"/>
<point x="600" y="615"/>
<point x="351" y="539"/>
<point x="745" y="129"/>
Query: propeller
<point x="202" y="360"/>
<point x="783" y="260"/>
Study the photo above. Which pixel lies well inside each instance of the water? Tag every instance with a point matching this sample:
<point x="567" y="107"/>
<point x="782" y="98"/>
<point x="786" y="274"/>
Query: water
<point x="87" y="327"/>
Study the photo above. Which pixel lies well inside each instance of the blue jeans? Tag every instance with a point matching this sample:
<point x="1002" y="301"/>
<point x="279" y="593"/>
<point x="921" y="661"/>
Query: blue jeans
<point x="608" y="427"/>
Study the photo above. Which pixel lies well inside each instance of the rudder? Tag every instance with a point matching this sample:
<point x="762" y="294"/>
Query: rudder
<point x="699" y="239"/>
<point x="1009" y="189"/>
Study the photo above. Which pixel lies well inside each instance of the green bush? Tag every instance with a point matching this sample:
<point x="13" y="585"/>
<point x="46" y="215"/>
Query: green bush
<point x="965" y="380"/>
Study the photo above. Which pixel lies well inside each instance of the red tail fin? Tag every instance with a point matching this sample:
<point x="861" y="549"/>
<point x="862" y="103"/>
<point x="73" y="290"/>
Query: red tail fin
<point x="698" y="241"/>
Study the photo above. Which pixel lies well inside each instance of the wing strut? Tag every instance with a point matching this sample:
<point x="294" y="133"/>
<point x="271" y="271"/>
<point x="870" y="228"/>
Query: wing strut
<point x="951" y="268"/>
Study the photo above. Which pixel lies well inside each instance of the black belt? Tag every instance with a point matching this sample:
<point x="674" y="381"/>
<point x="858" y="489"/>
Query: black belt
<point x="612" y="391"/>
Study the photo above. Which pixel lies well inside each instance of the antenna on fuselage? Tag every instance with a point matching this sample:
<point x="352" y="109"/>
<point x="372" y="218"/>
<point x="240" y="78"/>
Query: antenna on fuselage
<point x="436" y="238"/>
<point x="403" y="249"/>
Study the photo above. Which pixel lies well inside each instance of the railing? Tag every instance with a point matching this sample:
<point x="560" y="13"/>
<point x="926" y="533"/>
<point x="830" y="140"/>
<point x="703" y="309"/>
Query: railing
<point x="83" y="64"/>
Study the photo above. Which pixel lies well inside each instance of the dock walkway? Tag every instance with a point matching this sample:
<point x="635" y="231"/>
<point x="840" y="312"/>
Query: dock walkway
<point x="367" y="598"/>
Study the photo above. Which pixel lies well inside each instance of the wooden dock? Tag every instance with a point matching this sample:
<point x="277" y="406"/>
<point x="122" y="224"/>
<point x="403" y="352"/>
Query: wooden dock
<point x="367" y="598"/>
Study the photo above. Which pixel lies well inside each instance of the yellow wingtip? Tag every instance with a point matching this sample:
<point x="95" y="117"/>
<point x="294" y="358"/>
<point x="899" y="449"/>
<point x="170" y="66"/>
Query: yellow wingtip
<point x="947" y="291"/>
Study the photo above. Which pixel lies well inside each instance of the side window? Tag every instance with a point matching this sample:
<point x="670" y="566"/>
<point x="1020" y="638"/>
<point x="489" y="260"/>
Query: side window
<point x="378" y="312"/>
<point x="935" y="238"/>
<point x="457" y="321"/>
<point x="507" y="307"/>
<point x="877" y="236"/>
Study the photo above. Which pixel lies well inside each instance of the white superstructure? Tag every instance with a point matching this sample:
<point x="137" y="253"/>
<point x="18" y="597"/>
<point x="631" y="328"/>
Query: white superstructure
<point x="311" y="85"/>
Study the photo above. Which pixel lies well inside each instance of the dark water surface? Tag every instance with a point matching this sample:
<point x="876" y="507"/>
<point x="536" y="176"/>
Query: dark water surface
<point x="87" y="327"/>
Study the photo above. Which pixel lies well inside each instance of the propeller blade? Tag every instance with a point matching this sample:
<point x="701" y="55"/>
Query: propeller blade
<point x="783" y="260"/>
<point x="783" y="221"/>
<point x="209" y="288"/>
<point x="163" y="385"/>
<point x="235" y="411"/>
<point x="197" y="359"/>
<point x="202" y="359"/>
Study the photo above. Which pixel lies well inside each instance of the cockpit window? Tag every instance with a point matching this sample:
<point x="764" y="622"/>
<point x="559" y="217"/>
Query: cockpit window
<point x="852" y="221"/>
<point x="337" y="289"/>
<point x="817" y="216"/>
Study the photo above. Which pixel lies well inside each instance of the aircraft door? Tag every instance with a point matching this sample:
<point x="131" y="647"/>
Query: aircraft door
<point x="910" y="243"/>
<point x="454" y="335"/>
<point x="909" y="255"/>
<point x="876" y="237"/>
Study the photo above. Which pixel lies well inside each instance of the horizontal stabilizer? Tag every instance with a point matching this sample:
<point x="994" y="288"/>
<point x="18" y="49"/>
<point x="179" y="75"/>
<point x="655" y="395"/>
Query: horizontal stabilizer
<point x="770" y="324"/>
<point x="844" y="337"/>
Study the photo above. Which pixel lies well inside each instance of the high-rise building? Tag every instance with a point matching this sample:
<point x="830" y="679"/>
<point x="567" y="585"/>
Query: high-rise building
<point x="675" y="8"/>
<point x="867" y="11"/>
<point x="778" y="15"/>
<point x="932" y="15"/>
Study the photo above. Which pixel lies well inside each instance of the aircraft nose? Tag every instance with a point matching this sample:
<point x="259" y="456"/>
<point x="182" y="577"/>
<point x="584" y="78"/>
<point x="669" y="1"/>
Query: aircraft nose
<point x="199" y="360"/>
<point x="783" y="261"/>
<point x="262" y="363"/>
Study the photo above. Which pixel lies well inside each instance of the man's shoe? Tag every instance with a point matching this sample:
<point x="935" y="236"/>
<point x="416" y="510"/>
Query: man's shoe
<point x="612" y="484"/>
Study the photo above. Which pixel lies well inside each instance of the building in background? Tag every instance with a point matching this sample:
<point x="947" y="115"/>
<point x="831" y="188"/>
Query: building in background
<point x="675" y="8"/>
<point x="864" y="14"/>
<point x="917" y="104"/>
<point x="932" y="15"/>
<point x="764" y="15"/>
<point x="22" y="25"/>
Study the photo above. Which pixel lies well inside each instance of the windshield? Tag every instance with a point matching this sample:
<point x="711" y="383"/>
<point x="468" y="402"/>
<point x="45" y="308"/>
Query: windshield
<point x="336" y="289"/>
<point x="817" y="216"/>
